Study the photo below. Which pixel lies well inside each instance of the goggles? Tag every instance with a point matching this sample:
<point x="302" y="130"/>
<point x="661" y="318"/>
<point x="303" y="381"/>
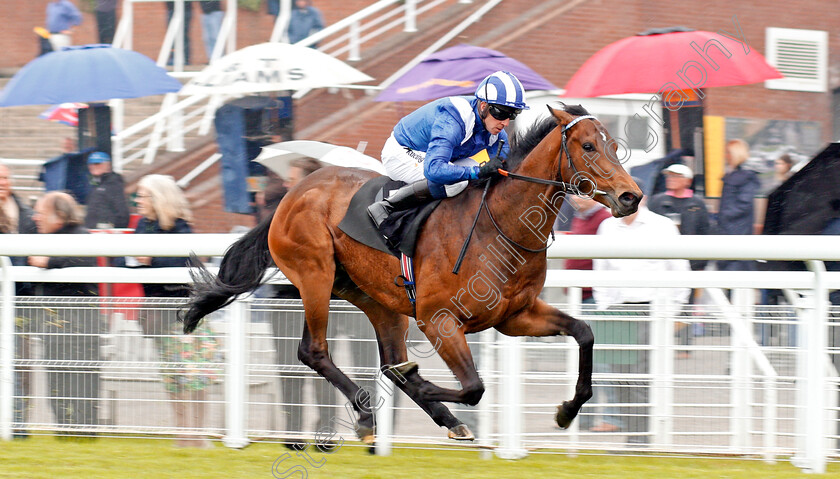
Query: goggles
<point x="502" y="113"/>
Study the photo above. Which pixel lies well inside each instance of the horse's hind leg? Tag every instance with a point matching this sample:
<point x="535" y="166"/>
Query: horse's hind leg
<point x="394" y="358"/>
<point x="391" y="330"/>
<point x="543" y="320"/>
<point x="313" y="353"/>
<point x="315" y="290"/>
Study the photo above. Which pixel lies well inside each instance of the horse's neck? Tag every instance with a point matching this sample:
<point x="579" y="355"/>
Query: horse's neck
<point x="526" y="211"/>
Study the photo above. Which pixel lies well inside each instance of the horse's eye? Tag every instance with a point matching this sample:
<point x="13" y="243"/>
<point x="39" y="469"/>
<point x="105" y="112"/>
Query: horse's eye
<point x="588" y="147"/>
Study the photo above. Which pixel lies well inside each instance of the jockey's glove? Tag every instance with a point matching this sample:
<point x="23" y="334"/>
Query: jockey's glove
<point x="491" y="168"/>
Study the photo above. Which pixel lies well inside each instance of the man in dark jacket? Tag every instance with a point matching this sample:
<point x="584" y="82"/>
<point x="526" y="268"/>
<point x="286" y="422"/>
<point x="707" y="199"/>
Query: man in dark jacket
<point x="680" y="205"/>
<point x="71" y="334"/>
<point x="107" y="206"/>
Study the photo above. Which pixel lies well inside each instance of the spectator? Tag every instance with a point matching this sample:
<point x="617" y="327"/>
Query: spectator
<point x="633" y="303"/>
<point x="268" y="199"/>
<point x="165" y="210"/>
<point x="299" y="169"/>
<point x="70" y="334"/>
<point x="735" y="214"/>
<point x="170" y="10"/>
<point x="16" y="217"/>
<point x="62" y="16"/>
<point x="107" y="206"/>
<point x="305" y="21"/>
<point x="781" y="172"/>
<point x="68" y="171"/>
<point x="691" y="217"/>
<point x="106" y="20"/>
<point x="211" y="22"/>
<point x="588" y="215"/>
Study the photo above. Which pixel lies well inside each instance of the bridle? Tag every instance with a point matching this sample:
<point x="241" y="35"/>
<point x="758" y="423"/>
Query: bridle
<point x="567" y="188"/>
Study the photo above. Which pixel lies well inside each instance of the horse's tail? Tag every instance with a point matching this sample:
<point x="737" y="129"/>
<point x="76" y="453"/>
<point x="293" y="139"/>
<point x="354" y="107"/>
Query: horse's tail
<point x="241" y="270"/>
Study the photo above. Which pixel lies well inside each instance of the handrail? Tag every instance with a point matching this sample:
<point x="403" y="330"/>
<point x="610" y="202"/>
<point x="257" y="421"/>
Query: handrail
<point x="474" y="17"/>
<point x="168" y="111"/>
<point x="185" y="181"/>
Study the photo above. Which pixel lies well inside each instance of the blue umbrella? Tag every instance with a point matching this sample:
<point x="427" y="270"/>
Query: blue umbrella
<point x="87" y="73"/>
<point x="458" y="71"/>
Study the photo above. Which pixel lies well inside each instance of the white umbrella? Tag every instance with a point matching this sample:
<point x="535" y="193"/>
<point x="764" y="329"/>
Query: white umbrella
<point x="277" y="156"/>
<point x="272" y="66"/>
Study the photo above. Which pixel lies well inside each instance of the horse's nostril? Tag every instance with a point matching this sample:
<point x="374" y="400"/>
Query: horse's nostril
<point x="628" y="199"/>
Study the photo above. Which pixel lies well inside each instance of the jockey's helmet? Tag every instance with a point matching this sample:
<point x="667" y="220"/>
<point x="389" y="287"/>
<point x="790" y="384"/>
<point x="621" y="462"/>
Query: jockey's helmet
<point x="502" y="88"/>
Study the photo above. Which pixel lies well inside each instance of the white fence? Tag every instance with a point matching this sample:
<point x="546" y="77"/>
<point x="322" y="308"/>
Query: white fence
<point x="760" y="380"/>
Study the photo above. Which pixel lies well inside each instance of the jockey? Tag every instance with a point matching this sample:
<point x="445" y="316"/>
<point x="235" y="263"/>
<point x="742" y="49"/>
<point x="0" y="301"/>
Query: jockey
<point x="431" y="147"/>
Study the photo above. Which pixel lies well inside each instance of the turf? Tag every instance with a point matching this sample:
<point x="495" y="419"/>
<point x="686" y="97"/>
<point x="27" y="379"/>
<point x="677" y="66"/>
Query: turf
<point x="49" y="457"/>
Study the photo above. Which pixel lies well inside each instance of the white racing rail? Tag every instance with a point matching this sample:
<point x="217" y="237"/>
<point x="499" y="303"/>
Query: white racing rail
<point x="815" y="406"/>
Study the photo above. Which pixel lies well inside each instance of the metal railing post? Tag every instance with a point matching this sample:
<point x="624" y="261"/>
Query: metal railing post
<point x="740" y="368"/>
<point x="118" y="121"/>
<point x="384" y="413"/>
<point x="7" y="348"/>
<point x="236" y="383"/>
<point x="661" y="369"/>
<point x="511" y="400"/>
<point x="485" y="413"/>
<point x="353" y="55"/>
<point x="814" y="344"/>
<point x="410" y="16"/>
<point x="575" y="299"/>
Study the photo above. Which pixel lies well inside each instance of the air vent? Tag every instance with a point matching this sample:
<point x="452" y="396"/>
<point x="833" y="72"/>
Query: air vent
<point x="799" y="55"/>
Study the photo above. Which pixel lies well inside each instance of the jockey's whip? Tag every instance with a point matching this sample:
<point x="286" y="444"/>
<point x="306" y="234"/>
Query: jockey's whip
<point x="475" y="221"/>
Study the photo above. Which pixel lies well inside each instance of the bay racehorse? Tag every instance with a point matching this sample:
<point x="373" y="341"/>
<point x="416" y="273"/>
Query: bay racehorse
<point x="500" y="278"/>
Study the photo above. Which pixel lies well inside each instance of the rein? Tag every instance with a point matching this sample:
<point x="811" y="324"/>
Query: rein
<point x="567" y="187"/>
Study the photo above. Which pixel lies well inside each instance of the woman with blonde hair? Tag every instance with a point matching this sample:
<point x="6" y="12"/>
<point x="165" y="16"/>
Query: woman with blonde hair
<point x="740" y="186"/>
<point x="189" y="370"/>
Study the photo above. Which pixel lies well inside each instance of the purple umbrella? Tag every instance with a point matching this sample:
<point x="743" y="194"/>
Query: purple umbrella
<point x="458" y="71"/>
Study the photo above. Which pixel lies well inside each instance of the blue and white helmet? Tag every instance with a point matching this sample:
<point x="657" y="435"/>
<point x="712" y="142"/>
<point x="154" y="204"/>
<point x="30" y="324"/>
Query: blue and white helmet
<point x="502" y="88"/>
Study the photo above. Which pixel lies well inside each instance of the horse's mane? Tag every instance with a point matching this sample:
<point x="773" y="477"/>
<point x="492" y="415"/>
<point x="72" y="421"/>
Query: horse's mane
<point x="522" y="143"/>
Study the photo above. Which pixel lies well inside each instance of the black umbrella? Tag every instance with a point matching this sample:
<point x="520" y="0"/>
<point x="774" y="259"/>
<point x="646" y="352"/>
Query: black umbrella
<point x="808" y="200"/>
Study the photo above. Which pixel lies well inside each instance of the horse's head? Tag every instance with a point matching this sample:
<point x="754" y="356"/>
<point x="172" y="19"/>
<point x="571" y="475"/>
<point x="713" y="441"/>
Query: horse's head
<point x="589" y="160"/>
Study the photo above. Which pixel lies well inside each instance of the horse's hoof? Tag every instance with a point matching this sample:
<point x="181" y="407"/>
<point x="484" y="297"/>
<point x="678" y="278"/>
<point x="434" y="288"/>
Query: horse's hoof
<point x="366" y="435"/>
<point x="564" y="416"/>
<point x="404" y="369"/>
<point x="461" y="433"/>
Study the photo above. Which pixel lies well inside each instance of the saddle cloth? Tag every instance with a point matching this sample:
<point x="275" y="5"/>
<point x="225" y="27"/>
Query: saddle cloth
<point x="401" y="228"/>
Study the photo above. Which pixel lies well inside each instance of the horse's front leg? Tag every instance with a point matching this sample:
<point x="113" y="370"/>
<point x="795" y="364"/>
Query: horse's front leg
<point x="543" y="320"/>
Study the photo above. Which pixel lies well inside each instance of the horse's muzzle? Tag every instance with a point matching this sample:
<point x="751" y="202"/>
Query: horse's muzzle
<point x="626" y="204"/>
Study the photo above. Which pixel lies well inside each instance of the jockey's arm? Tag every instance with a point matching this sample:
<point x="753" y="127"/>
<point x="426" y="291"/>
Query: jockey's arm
<point x="446" y="135"/>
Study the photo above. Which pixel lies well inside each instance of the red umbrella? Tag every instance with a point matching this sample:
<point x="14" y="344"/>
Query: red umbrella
<point x="668" y="60"/>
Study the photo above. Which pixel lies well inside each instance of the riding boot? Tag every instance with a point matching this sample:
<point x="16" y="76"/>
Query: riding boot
<point x="409" y="196"/>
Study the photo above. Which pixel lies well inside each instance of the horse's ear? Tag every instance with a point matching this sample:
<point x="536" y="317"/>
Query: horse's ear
<point x="562" y="117"/>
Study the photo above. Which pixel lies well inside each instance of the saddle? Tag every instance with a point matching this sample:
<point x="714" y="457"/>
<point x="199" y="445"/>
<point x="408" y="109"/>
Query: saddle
<point x="397" y="234"/>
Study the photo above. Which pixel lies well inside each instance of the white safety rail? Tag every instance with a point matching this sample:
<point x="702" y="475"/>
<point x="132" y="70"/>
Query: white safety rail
<point x="178" y="117"/>
<point x="759" y="381"/>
